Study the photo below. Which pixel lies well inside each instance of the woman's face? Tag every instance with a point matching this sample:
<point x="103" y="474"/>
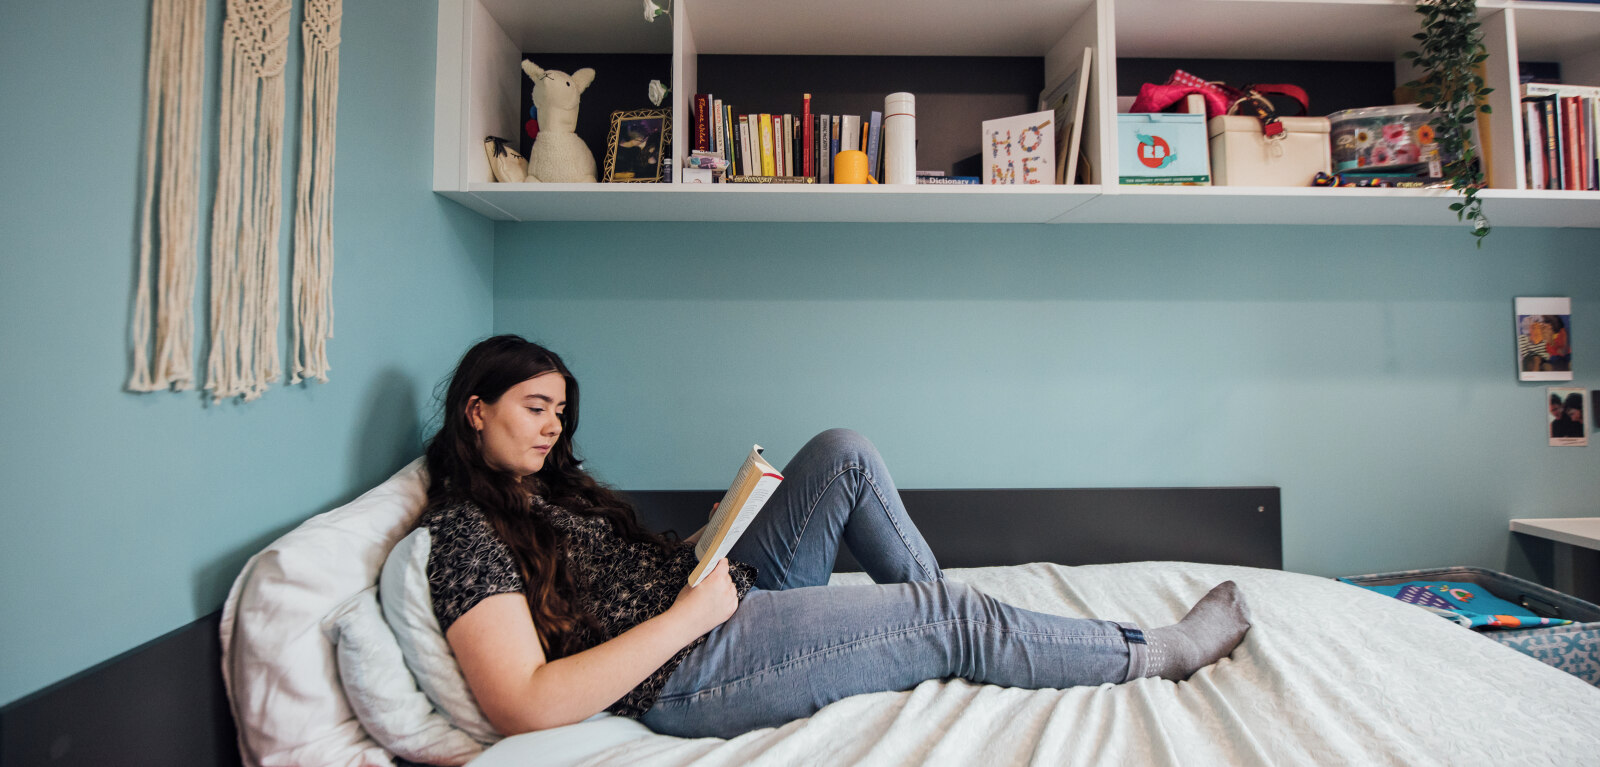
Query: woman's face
<point x="518" y="431"/>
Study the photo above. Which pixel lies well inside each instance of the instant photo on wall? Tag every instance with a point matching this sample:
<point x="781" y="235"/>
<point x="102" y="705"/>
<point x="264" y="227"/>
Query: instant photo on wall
<point x="1568" y="426"/>
<point x="1544" y="339"/>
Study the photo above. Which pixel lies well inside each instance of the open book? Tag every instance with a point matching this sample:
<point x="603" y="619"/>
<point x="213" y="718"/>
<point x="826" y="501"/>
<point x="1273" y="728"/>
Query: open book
<point x="751" y="488"/>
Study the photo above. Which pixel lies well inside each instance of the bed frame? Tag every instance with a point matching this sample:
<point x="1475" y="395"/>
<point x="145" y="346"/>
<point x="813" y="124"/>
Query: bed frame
<point x="163" y="703"/>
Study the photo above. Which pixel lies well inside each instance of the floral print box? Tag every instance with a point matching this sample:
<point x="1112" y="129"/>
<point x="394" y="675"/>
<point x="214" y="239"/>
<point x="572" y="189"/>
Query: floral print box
<point x="1573" y="647"/>
<point x="1393" y="138"/>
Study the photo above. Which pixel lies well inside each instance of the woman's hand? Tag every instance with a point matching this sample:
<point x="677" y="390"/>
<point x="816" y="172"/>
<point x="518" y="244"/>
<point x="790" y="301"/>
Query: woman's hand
<point x="709" y="604"/>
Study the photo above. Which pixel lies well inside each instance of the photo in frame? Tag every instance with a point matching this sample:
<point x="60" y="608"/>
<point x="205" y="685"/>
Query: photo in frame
<point x="638" y="146"/>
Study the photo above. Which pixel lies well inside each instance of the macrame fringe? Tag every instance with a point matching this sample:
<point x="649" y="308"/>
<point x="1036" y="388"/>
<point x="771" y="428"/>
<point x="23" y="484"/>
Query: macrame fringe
<point x="312" y="289"/>
<point x="168" y="224"/>
<point x="247" y="213"/>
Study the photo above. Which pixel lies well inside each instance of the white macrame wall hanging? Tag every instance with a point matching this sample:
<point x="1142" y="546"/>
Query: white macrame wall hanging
<point x="248" y="210"/>
<point x="312" y="289"/>
<point x="168" y="224"/>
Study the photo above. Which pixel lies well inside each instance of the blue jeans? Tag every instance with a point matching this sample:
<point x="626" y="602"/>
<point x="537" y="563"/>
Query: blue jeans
<point x="796" y="644"/>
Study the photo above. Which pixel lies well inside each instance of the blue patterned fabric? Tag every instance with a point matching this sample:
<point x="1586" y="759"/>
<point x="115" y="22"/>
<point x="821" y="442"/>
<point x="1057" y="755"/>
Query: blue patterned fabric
<point x="1468" y="604"/>
<point x="1573" y="648"/>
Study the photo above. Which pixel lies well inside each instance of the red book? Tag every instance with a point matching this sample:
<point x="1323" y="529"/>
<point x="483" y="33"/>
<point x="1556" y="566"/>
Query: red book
<point x="808" y="142"/>
<point x="702" y="122"/>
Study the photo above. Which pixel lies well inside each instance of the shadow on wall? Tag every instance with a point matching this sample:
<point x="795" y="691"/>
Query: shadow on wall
<point x="387" y="437"/>
<point x="389" y="434"/>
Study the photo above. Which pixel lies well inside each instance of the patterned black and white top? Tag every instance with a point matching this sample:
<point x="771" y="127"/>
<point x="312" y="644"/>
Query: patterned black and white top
<point x="619" y="582"/>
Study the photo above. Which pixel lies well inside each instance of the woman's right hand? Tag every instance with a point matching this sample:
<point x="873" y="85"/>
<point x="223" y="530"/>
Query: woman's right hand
<point x="709" y="604"/>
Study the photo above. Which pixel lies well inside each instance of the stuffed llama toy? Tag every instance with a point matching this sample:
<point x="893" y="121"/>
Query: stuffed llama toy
<point x="558" y="155"/>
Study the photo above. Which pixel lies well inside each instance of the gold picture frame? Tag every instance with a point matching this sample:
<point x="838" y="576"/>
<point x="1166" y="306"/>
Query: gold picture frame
<point x="638" y="146"/>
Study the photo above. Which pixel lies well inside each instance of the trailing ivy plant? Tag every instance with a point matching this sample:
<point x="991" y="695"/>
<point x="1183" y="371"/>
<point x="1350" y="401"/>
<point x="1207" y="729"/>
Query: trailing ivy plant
<point x="1452" y="50"/>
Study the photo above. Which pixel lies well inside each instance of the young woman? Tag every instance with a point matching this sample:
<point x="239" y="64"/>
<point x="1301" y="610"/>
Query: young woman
<point x="558" y="605"/>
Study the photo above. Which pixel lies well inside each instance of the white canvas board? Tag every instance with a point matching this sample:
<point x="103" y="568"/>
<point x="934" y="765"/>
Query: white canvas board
<point x="1020" y="149"/>
<point x="1067" y="100"/>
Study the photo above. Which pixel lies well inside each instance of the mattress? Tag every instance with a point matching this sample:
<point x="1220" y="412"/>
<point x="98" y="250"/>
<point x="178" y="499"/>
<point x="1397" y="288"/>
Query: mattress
<point x="1329" y="673"/>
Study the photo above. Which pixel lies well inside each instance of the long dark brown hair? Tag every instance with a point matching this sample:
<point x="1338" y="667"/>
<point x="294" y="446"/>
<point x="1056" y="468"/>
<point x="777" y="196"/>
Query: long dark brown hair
<point x="457" y="472"/>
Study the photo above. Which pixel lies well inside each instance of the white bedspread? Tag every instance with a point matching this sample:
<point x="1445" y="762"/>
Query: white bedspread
<point x="1329" y="674"/>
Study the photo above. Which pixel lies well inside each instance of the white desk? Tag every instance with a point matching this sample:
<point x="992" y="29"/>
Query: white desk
<point x="1576" y="538"/>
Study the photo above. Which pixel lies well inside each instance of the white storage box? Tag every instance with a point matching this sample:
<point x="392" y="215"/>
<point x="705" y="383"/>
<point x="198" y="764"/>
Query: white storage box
<point x="1242" y="156"/>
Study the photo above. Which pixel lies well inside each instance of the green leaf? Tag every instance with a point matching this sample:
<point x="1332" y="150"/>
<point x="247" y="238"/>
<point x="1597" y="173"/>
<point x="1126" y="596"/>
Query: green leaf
<point x="1457" y="206"/>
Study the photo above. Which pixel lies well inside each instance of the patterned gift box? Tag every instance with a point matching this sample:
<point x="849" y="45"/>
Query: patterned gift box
<point x="1573" y="648"/>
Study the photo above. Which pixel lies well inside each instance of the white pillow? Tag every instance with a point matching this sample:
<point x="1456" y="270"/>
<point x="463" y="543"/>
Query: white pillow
<point x="382" y="691"/>
<point x="280" y="671"/>
<point x="408" y="607"/>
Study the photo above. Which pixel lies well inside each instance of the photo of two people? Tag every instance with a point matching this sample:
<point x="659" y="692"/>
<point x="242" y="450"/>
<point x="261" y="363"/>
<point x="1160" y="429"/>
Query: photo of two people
<point x="1544" y="339"/>
<point x="1567" y="425"/>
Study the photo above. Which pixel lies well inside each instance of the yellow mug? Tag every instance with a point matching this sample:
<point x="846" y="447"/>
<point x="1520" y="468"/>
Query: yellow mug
<point x="850" y="167"/>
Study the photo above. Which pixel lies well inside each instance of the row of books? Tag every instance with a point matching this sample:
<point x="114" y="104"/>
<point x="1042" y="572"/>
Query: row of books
<point x="1559" y="127"/>
<point x="783" y="148"/>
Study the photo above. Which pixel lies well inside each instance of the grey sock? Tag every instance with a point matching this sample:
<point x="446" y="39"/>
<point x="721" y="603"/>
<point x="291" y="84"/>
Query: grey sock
<point x="1214" y="626"/>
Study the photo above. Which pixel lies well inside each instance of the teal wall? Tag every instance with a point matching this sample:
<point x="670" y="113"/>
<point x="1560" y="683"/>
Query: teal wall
<point x="1367" y="371"/>
<point x="126" y="516"/>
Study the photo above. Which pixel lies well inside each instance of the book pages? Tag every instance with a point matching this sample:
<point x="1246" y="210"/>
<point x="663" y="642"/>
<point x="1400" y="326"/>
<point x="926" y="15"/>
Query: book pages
<point x="752" y="486"/>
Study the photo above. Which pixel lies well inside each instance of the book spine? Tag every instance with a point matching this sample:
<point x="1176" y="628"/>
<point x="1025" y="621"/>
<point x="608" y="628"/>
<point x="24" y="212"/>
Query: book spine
<point x="718" y="141"/>
<point x="808" y="165"/>
<point x="765" y="127"/>
<point x="752" y="144"/>
<point x="734" y="161"/>
<point x="874" y="142"/>
<point x="744" y="146"/>
<point x="770" y="180"/>
<point x="949" y="180"/>
<point x="727" y="122"/>
<point x="834" y="134"/>
<point x="702" y="136"/>
<point x="850" y="132"/>
<point x="796" y="154"/>
<point x="787" y="166"/>
<point x="1537" y="90"/>
<point x="1572" y="175"/>
<point x="1552" y="144"/>
<point x="824" y="160"/>
<point x="1587" y="144"/>
<point x="1594" y="143"/>
<point x="777" y="146"/>
<point x="1533" y="143"/>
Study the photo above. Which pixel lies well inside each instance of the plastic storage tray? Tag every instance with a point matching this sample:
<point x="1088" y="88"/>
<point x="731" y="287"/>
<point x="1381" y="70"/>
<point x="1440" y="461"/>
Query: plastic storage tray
<point x="1382" y="138"/>
<point x="1573" y="648"/>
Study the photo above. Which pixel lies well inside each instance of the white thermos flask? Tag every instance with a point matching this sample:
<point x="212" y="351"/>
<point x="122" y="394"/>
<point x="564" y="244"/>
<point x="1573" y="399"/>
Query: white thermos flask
<point x="900" y="139"/>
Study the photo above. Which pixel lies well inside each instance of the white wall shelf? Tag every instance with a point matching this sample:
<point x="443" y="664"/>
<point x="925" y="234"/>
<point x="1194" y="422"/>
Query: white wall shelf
<point x="479" y="82"/>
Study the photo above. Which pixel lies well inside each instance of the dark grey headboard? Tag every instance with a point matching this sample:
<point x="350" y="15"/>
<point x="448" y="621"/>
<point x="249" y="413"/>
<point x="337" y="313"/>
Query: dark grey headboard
<point x="163" y="703"/>
<point x="1074" y="526"/>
